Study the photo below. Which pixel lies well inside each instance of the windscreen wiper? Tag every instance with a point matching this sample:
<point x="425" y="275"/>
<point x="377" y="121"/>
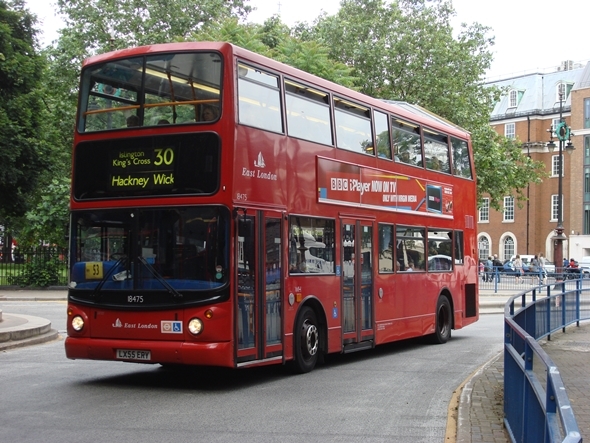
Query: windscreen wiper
<point x="158" y="277"/>
<point x="107" y="276"/>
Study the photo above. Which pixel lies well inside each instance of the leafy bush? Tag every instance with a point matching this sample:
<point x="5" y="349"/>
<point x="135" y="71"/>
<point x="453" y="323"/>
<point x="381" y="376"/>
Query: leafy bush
<point x="39" y="272"/>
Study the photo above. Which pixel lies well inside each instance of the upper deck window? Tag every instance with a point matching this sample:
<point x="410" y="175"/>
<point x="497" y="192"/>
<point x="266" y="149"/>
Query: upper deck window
<point x="406" y="142"/>
<point x="308" y="113"/>
<point x="461" y="160"/>
<point x="153" y="90"/>
<point x="382" y="135"/>
<point x="259" y="99"/>
<point x="353" y="127"/>
<point x="436" y="150"/>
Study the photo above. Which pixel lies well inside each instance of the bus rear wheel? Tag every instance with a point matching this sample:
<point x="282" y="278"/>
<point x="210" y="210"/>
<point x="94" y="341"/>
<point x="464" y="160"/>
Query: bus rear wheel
<point x="307" y="340"/>
<point x="444" y="318"/>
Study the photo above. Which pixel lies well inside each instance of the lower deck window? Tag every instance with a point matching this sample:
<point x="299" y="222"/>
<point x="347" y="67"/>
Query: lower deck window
<point x="311" y="245"/>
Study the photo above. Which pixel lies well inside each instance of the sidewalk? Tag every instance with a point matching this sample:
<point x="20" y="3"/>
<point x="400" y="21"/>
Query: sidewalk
<point x="24" y="330"/>
<point x="480" y="411"/>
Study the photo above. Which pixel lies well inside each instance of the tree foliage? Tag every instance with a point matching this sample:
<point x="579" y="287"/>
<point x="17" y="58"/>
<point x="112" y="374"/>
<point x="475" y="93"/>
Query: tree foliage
<point x="274" y="39"/>
<point x="48" y="218"/>
<point x="22" y="155"/>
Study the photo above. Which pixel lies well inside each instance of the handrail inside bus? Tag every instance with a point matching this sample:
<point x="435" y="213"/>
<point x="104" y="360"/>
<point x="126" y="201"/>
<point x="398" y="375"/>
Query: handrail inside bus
<point x="152" y="105"/>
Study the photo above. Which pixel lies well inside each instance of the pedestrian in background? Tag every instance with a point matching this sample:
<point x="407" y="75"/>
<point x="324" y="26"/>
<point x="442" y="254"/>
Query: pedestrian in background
<point x="535" y="270"/>
<point x="518" y="269"/>
<point x="489" y="268"/>
<point x="497" y="267"/>
<point x="542" y="263"/>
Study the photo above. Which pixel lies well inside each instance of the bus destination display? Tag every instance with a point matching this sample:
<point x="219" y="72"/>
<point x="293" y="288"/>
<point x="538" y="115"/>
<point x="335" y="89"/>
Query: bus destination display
<point x="141" y="169"/>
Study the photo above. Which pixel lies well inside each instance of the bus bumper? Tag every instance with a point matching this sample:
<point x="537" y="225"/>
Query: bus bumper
<point x="165" y="352"/>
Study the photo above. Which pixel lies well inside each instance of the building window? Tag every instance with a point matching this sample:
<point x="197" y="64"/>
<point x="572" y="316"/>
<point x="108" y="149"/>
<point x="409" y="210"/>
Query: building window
<point x="554" y="124"/>
<point x="508" y="247"/>
<point x="555" y="206"/>
<point x="484" y="210"/>
<point x="508" y="209"/>
<point x="510" y="130"/>
<point x="513" y="98"/>
<point x="564" y="89"/>
<point x="484" y="248"/>
<point x="587" y="113"/>
<point x="586" y="219"/>
<point x="560" y="92"/>
<point x="555" y="166"/>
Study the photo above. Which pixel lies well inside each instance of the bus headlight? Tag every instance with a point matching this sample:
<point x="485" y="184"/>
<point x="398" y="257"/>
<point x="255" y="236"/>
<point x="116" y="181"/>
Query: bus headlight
<point x="195" y="326"/>
<point x="77" y="323"/>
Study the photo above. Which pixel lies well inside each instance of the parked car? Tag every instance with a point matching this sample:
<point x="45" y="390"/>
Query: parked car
<point x="508" y="268"/>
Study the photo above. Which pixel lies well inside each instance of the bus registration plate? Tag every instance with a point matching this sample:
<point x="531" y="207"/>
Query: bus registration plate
<point x="131" y="354"/>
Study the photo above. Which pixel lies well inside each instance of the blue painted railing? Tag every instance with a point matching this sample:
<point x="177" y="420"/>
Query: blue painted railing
<point x="536" y="406"/>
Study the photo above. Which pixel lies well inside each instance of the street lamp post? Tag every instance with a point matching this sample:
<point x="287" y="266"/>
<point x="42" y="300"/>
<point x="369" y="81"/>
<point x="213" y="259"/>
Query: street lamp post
<point x="562" y="131"/>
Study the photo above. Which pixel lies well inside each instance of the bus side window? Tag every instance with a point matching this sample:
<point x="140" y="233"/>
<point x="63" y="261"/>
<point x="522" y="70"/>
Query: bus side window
<point x="406" y="142"/>
<point x="353" y="127"/>
<point x="461" y="160"/>
<point x="436" y="150"/>
<point x="385" y="248"/>
<point x="459" y="260"/>
<point x="259" y="99"/>
<point x="308" y="113"/>
<point x="382" y="135"/>
<point x="410" y="248"/>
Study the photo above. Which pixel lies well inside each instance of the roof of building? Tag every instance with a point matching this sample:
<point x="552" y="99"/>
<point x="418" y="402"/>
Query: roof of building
<point x="537" y="93"/>
<point x="584" y="78"/>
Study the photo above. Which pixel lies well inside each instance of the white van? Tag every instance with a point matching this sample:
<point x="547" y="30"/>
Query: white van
<point x="584" y="265"/>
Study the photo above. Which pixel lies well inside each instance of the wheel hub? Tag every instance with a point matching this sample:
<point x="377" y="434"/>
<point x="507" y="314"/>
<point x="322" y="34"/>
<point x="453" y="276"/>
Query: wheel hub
<point x="311" y="339"/>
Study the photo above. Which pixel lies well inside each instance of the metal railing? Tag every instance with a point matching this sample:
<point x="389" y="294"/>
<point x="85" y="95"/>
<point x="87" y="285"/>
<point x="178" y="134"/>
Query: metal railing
<point x="35" y="267"/>
<point x="498" y="280"/>
<point x="536" y="405"/>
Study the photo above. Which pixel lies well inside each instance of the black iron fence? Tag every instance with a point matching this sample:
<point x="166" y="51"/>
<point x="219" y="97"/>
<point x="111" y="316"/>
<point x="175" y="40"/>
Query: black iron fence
<point x="35" y="267"/>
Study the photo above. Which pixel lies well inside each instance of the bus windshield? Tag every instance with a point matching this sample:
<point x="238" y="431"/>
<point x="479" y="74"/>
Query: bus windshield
<point x="160" y="249"/>
<point x="170" y="88"/>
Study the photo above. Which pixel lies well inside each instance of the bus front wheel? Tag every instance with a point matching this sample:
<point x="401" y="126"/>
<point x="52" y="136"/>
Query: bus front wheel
<point x="444" y="318"/>
<point x="307" y="340"/>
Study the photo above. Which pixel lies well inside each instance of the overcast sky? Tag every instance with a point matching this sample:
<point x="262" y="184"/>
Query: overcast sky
<point x="531" y="35"/>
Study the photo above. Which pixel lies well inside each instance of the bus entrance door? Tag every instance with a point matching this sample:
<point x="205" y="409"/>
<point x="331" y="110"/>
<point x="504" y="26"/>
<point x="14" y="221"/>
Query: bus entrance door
<point x="259" y="311"/>
<point x="357" y="285"/>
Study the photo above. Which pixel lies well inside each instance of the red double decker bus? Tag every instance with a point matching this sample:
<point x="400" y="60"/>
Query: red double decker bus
<point x="229" y="210"/>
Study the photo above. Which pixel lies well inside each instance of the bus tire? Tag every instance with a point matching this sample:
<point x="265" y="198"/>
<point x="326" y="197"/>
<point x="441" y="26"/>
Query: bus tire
<point x="443" y="321"/>
<point x="307" y="340"/>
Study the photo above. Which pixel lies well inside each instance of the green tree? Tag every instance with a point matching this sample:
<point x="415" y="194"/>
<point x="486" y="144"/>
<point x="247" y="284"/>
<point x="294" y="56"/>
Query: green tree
<point x="22" y="155"/>
<point x="48" y="218"/>
<point x="275" y="40"/>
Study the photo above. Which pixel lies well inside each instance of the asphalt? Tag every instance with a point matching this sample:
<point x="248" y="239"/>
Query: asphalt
<point x="476" y="409"/>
